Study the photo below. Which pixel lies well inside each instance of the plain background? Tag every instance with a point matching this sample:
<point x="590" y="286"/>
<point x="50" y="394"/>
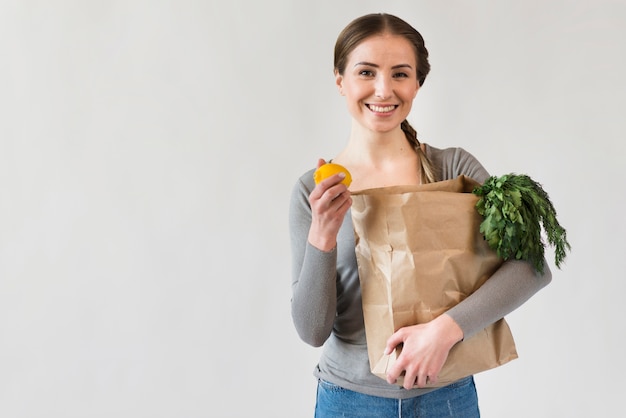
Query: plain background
<point x="147" y="153"/>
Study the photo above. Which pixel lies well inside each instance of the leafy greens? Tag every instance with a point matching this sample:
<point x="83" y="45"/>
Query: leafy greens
<point x="514" y="208"/>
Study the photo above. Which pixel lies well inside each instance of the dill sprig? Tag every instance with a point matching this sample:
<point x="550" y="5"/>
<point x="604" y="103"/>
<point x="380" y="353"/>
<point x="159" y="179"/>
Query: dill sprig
<point x="514" y="208"/>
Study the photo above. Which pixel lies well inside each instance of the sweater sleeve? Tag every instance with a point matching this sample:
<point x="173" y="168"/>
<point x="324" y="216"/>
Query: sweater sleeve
<point x="511" y="285"/>
<point x="314" y="272"/>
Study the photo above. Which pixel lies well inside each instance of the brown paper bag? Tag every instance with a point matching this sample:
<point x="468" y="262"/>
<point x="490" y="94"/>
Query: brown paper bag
<point x="419" y="253"/>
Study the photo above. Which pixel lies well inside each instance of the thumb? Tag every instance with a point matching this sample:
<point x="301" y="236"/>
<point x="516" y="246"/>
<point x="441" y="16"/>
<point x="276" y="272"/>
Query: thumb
<point x="395" y="340"/>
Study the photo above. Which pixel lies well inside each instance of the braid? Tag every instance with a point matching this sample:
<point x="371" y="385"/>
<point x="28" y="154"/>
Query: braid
<point x="426" y="166"/>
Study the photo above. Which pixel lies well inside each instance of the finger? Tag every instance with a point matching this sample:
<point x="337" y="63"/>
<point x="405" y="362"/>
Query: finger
<point x="396" y="369"/>
<point x="327" y="184"/>
<point x="346" y="204"/>
<point x="335" y="196"/>
<point x="320" y="162"/>
<point x="321" y="189"/>
<point x="339" y="207"/>
<point x="334" y="179"/>
<point x="421" y="380"/>
<point x="409" y="381"/>
<point x="392" y="377"/>
<point x="338" y="194"/>
<point x="394" y="341"/>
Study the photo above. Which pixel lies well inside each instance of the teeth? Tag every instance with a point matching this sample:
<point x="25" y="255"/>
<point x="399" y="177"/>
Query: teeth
<point x="382" y="109"/>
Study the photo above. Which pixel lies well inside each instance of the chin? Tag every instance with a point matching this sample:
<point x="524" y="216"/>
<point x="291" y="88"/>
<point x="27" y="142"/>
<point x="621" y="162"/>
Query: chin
<point x="385" y="128"/>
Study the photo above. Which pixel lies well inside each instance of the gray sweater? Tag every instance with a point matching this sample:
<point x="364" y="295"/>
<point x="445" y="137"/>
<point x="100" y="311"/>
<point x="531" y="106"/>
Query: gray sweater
<point x="326" y="295"/>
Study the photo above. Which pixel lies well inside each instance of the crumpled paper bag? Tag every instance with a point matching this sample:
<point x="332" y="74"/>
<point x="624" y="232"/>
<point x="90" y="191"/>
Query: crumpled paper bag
<point x="419" y="253"/>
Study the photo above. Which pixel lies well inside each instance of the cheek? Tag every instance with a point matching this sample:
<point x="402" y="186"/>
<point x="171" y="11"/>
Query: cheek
<point x="405" y="96"/>
<point x="411" y="93"/>
<point x="355" y="93"/>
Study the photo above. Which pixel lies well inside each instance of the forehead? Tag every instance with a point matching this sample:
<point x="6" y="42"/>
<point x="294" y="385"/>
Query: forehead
<point x="384" y="49"/>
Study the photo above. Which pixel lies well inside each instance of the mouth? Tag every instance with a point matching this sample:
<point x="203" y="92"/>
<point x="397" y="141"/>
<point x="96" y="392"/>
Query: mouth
<point x="381" y="109"/>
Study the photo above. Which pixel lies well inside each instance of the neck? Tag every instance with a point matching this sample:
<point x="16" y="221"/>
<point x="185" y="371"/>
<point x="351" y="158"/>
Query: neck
<point x="378" y="159"/>
<point x="375" y="148"/>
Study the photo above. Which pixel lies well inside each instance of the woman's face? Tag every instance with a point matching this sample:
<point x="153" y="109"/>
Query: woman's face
<point x="380" y="82"/>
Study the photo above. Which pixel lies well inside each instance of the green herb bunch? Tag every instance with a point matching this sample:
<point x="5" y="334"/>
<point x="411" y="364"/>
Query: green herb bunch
<point x="514" y="208"/>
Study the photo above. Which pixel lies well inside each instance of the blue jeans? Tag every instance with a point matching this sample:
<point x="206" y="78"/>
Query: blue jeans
<point x="457" y="400"/>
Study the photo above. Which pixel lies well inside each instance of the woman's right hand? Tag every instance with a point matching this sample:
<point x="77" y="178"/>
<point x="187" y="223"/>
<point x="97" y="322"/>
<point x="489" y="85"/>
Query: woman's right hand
<point x="330" y="201"/>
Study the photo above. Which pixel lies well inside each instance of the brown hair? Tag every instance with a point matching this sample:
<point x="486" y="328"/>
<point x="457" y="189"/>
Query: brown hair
<point x="379" y="23"/>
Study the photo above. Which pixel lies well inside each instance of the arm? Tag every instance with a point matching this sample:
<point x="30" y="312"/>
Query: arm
<point x="507" y="289"/>
<point x="510" y="286"/>
<point x="315" y="216"/>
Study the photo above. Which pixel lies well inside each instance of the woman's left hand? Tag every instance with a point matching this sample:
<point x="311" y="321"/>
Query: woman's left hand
<point x="425" y="348"/>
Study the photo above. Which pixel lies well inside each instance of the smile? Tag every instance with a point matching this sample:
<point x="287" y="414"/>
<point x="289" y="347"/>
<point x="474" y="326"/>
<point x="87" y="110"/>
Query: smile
<point x="381" y="109"/>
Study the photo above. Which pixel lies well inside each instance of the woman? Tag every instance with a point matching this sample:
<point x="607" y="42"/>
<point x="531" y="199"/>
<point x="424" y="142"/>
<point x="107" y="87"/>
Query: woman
<point x="380" y="65"/>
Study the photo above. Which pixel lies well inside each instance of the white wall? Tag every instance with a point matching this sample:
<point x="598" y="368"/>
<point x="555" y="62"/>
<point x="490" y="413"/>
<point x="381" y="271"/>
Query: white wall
<point x="147" y="154"/>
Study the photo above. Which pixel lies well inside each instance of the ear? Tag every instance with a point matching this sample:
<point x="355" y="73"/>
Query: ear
<point x="339" y="81"/>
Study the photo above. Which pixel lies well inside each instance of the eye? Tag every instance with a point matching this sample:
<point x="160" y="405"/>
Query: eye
<point x="400" y="75"/>
<point x="366" y="73"/>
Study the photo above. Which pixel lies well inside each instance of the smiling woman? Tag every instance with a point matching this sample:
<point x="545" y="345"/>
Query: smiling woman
<point x="382" y="56"/>
<point x="380" y="82"/>
<point x="380" y="65"/>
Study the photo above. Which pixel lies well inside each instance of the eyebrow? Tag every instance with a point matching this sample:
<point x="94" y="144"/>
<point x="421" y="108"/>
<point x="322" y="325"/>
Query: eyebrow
<point x="369" y="64"/>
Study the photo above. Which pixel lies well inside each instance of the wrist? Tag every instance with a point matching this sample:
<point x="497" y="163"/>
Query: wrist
<point x="451" y="329"/>
<point x="324" y="245"/>
<point x="321" y="241"/>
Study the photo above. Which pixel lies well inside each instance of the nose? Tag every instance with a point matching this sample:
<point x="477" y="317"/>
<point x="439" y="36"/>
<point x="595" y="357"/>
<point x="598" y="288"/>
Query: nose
<point x="383" y="89"/>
